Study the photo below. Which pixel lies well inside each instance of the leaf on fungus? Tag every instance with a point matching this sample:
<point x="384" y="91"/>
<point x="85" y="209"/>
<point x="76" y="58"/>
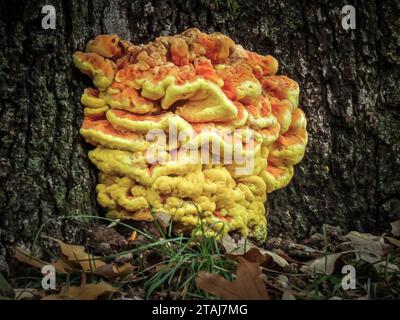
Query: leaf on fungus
<point x="144" y="215"/>
<point x="90" y="291"/>
<point x="248" y="284"/>
<point x="163" y="219"/>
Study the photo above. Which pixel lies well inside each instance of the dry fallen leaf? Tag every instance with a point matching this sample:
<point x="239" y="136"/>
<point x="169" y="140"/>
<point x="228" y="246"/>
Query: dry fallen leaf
<point x="61" y="266"/>
<point x="282" y="281"/>
<point x="239" y="247"/>
<point x="250" y="251"/>
<point x="324" y="265"/>
<point x="26" y="293"/>
<point x="90" y="291"/>
<point x="395" y="228"/>
<point x="276" y="258"/>
<point x="366" y="244"/>
<point x="254" y="255"/>
<point x="25" y="257"/>
<point x="393" y="241"/>
<point x="111" y="271"/>
<point x="248" y="284"/>
<point x="243" y="248"/>
<point x="288" y="295"/>
<point x="370" y="249"/>
<point x="75" y="253"/>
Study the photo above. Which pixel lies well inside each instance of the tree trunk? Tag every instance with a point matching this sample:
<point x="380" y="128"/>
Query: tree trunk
<point x="349" y="84"/>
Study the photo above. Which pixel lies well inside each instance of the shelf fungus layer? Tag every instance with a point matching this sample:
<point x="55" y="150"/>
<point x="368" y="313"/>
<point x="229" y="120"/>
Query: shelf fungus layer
<point x="191" y="125"/>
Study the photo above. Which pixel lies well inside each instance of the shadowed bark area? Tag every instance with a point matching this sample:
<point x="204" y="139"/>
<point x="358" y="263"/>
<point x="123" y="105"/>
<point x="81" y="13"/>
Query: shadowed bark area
<point x="349" y="83"/>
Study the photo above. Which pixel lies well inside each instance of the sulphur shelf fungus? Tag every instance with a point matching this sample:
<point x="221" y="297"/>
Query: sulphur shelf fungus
<point x="193" y="126"/>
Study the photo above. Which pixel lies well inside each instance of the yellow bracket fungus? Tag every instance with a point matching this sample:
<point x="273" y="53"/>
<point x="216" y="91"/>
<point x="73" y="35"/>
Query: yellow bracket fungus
<point x="220" y="99"/>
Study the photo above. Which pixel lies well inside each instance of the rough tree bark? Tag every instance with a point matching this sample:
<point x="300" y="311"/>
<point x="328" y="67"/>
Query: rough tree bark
<point x="350" y="93"/>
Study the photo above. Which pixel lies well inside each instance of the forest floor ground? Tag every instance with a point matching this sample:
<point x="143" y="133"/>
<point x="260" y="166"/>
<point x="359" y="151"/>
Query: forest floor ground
<point x="145" y="260"/>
